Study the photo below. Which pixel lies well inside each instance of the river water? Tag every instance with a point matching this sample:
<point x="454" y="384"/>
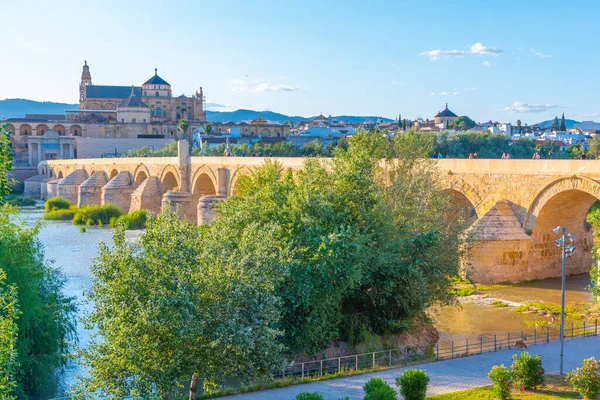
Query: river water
<point x="73" y="252"/>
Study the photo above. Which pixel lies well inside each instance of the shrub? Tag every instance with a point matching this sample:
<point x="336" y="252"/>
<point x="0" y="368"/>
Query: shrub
<point x="586" y="380"/>
<point x="60" y="215"/>
<point x="413" y="384"/>
<point x="57" y="203"/>
<point x="501" y="378"/>
<point x="133" y="220"/>
<point x="309" y="396"/>
<point x="82" y="229"/>
<point x="96" y="215"/>
<point x="20" y="201"/>
<point x="378" y="389"/>
<point x="527" y="371"/>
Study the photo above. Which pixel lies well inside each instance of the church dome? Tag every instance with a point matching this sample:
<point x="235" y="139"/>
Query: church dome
<point x="446" y="113"/>
<point x="156" y="80"/>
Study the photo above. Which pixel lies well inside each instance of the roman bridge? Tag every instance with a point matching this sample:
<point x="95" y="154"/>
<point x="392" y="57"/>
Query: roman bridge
<point x="517" y="202"/>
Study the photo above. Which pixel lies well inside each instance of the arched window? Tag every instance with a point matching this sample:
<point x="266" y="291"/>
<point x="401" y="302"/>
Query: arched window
<point x="156" y="94"/>
<point x="158" y="112"/>
<point x="145" y="93"/>
<point x="133" y="120"/>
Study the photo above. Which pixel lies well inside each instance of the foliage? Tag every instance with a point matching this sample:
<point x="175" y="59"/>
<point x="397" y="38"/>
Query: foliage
<point x="309" y="396"/>
<point x="488" y="145"/>
<point x="527" y="371"/>
<point x="19" y="201"/>
<point x="378" y="389"/>
<point x="96" y="215"/>
<point x="132" y="220"/>
<point x="57" y="203"/>
<point x="501" y="378"/>
<point x="594" y="145"/>
<point x="575" y="151"/>
<point x="366" y="256"/>
<point x="563" y="126"/>
<point x="586" y="379"/>
<point x="184" y="301"/>
<point x="463" y="123"/>
<point x="555" y="125"/>
<point x="6" y="157"/>
<point x="8" y="339"/>
<point x="413" y="384"/>
<point x="47" y="318"/>
<point x="169" y="150"/>
<point x="60" y="215"/>
<point x="183" y="125"/>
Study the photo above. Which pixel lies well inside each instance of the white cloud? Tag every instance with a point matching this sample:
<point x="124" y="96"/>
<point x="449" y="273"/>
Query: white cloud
<point x="237" y="82"/>
<point x="268" y="87"/>
<point x="539" y="54"/>
<point x="445" y="93"/>
<point x="469" y="89"/>
<point x="397" y="83"/>
<point x="520" y="107"/>
<point x="476" y="49"/>
<point x="587" y="115"/>
<point x="486" y="64"/>
<point x="480" y="49"/>
<point x="219" y="107"/>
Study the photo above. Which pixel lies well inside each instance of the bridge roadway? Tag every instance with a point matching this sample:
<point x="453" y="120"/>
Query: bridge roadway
<point x="446" y="376"/>
<point x="517" y="202"/>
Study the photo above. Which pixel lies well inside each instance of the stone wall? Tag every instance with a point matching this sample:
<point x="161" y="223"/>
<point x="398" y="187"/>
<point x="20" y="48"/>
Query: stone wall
<point x="95" y="147"/>
<point x="20" y="174"/>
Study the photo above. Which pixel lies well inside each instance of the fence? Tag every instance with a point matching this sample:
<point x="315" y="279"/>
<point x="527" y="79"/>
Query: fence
<point x="441" y="351"/>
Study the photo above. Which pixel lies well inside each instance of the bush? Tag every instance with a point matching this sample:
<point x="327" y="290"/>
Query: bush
<point x="60" y="215"/>
<point x="96" y="215"/>
<point x="527" y="372"/>
<point x="413" y="384"/>
<point x="57" y="203"/>
<point x="586" y="380"/>
<point x="378" y="389"/>
<point x="133" y="220"/>
<point x="309" y="396"/>
<point x="501" y="378"/>
<point x="19" y="201"/>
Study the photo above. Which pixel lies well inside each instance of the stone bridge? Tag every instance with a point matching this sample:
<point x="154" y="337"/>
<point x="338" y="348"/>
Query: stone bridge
<point x="517" y="202"/>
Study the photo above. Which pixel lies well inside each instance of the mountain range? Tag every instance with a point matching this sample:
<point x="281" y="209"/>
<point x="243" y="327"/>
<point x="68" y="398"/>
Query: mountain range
<point x="14" y="108"/>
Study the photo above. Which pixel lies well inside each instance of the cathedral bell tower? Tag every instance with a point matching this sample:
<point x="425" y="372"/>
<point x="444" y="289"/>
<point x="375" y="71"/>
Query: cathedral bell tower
<point x="86" y="79"/>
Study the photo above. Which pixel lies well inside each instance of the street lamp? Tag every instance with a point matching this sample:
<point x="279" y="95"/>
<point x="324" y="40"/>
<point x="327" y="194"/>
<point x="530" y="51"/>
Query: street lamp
<point x="567" y="251"/>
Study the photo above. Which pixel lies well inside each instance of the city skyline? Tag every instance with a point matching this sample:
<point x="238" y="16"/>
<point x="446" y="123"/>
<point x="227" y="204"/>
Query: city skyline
<point x="501" y="62"/>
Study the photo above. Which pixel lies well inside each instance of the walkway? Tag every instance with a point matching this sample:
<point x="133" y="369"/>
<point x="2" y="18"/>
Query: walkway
<point x="446" y="376"/>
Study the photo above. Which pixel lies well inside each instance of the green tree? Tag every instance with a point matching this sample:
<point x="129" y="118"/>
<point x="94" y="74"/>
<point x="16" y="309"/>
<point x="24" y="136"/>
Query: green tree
<point x="555" y="125"/>
<point x="208" y="128"/>
<point x="6" y="157"/>
<point x="519" y="127"/>
<point x="312" y="148"/>
<point x="550" y="149"/>
<point x="563" y="126"/>
<point x="8" y="339"/>
<point x="463" y="123"/>
<point x="184" y="303"/>
<point x="594" y="144"/>
<point x="46" y="322"/>
<point x="183" y="126"/>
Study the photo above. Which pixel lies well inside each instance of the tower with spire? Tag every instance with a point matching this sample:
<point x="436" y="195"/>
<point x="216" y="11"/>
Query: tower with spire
<point x="86" y="80"/>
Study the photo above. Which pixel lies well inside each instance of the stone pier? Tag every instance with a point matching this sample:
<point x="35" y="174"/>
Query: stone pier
<point x="147" y="196"/>
<point x="90" y="191"/>
<point x="68" y="188"/>
<point x="118" y="191"/>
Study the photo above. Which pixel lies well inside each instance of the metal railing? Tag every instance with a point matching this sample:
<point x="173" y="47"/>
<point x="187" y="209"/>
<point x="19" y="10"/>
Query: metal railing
<point x="410" y="355"/>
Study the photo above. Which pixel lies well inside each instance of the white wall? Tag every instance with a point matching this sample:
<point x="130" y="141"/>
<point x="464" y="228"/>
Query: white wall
<point x="95" y="147"/>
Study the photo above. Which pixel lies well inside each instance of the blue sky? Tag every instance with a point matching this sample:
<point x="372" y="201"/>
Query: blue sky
<point x="500" y="60"/>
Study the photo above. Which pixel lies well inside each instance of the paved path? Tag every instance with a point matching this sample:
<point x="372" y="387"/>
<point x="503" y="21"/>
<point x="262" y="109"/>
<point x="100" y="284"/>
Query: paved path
<point x="446" y="376"/>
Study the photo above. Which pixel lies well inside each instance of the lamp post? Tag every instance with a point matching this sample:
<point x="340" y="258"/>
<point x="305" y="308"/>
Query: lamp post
<point x="566" y="251"/>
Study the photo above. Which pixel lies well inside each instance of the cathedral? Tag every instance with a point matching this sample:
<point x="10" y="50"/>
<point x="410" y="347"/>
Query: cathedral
<point x="155" y="95"/>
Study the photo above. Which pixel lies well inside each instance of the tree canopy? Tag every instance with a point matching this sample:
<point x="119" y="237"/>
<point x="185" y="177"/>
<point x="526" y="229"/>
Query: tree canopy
<point x="463" y="123"/>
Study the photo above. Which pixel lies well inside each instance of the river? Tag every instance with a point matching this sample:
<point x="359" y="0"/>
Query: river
<point x="73" y="252"/>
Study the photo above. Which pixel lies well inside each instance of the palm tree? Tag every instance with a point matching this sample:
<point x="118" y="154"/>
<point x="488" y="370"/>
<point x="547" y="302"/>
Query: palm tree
<point x="208" y="128"/>
<point x="183" y="127"/>
<point x="519" y="127"/>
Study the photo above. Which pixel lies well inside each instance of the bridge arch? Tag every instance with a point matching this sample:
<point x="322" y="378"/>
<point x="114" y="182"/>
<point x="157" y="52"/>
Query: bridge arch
<point x="464" y="193"/>
<point x="204" y="183"/>
<point x="169" y="178"/>
<point x="239" y="177"/>
<point x="566" y="203"/>
<point x="140" y="174"/>
<point x="113" y="173"/>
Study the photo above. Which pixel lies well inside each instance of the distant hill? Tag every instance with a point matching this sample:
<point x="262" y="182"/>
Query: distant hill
<point x="15" y="108"/>
<point x="569" y="123"/>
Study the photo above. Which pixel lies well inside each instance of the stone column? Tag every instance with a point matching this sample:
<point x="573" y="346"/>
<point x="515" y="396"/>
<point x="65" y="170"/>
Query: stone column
<point x="183" y="155"/>
<point x="208" y="207"/>
<point x="180" y="202"/>
<point x="223" y="181"/>
<point x="39" y="151"/>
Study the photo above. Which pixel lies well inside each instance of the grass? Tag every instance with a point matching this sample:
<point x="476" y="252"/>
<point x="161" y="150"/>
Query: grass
<point x="57" y="203"/>
<point x="133" y="220"/>
<point x="464" y="288"/>
<point x="96" y="215"/>
<point x="499" y="304"/>
<point x="555" y="388"/>
<point x="16" y="200"/>
<point x="60" y="215"/>
<point x="462" y="291"/>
